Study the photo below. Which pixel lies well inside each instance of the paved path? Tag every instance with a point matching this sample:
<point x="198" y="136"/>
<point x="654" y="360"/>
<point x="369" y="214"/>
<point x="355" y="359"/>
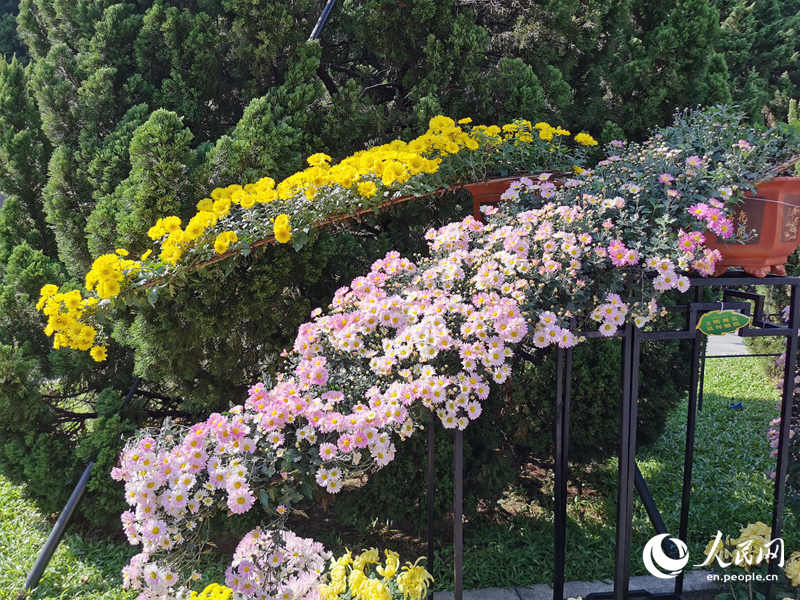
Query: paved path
<point x="695" y="585"/>
<point x="730" y="343"/>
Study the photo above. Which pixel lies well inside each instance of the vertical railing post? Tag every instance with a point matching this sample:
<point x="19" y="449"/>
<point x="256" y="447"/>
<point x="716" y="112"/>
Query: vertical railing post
<point x="458" y="512"/>
<point x="779" y="501"/>
<point x="561" y="468"/>
<point x="691" y="423"/>
<point x="431" y="486"/>
<point x="631" y="340"/>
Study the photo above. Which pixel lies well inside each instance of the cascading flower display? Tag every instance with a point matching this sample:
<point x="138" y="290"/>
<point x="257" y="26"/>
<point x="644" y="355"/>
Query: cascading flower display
<point x="408" y="340"/>
<point x="403" y="338"/>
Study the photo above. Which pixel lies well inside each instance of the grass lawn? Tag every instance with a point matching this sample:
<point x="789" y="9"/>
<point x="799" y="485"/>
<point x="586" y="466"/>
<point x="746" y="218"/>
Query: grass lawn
<point x="79" y="569"/>
<point x="514" y="547"/>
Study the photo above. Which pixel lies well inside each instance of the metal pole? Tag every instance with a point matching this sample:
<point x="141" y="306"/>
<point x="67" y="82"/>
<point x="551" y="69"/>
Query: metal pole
<point x="55" y="535"/>
<point x="624" y="479"/>
<point x="321" y="21"/>
<point x="688" y="456"/>
<point x="636" y="342"/>
<point x="702" y="378"/>
<point x="430" y="481"/>
<point x="786" y="418"/>
<point x="559" y="484"/>
<point x="458" y="511"/>
<point x="53" y="540"/>
<point x="648" y="502"/>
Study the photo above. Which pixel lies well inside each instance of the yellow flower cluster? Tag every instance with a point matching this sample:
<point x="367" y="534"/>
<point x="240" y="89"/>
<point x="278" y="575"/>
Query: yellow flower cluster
<point x="64" y="312"/>
<point x="585" y="139"/>
<point x="792" y="569"/>
<point x="214" y="591"/>
<point x="412" y="581"/>
<point x="108" y="273"/>
<point x="388" y="164"/>
<point x="362" y="175"/>
<point x="282" y="229"/>
<point x="225" y="239"/>
<point x="547" y="132"/>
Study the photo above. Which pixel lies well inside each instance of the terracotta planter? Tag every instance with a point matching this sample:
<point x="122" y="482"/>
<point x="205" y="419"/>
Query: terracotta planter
<point x="487" y="192"/>
<point x="775" y="215"/>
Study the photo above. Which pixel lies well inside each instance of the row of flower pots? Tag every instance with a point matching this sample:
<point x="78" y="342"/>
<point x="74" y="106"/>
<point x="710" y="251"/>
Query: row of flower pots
<point x="772" y="216"/>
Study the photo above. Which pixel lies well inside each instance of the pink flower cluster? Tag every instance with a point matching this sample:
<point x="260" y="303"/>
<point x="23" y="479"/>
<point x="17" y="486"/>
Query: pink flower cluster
<point x="713" y="216"/>
<point x="548" y="332"/>
<point x="620" y="255"/>
<point x="173" y="484"/>
<point x="276" y="564"/>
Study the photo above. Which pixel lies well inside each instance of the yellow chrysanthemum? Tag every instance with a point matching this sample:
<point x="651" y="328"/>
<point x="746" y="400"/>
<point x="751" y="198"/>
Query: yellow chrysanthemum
<point x="98" y="353"/>
<point x="214" y="591"/>
<point x="319" y="160"/>
<point x="282" y="229"/>
<point x="392" y="564"/>
<point x="47" y="292"/>
<point x="367" y="189"/>
<point x="368" y="557"/>
<point x="413" y="581"/>
<point x="224" y="240"/>
<point x="585" y="139"/>
<point x="221" y="207"/>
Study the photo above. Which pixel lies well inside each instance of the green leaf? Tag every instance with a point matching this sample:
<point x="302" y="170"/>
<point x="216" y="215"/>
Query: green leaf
<point x="299" y="240"/>
<point x="264" y="498"/>
<point x="152" y="296"/>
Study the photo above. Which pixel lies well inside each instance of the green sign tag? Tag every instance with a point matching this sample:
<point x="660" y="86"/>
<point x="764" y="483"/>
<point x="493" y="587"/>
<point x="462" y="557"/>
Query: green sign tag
<point x="720" y="322"/>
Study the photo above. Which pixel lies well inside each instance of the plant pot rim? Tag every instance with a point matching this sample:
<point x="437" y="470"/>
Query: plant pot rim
<point x="529" y="174"/>
<point x="787" y="178"/>
<point x="772" y="200"/>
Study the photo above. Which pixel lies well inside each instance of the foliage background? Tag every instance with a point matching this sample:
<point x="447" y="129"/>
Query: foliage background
<point x="115" y="113"/>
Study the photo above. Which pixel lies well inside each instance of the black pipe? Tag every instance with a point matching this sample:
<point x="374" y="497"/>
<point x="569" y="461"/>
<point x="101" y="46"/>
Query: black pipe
<point x="560" y="470"/>
<point x="55" y="536"/>
<point x="703" y="358"/>
<point x="431" y="485"/>
<point x="652" y="511"/>
<point x="46" y="553"/>
<point x="321" y="21"/>
<point x="648" y="502"/>
<point x="458" y="514"/>
<point x="787" y="399"/>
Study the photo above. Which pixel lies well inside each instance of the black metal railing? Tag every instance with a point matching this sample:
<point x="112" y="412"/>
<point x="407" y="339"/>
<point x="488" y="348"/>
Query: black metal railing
<point x="629" y="478"/>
